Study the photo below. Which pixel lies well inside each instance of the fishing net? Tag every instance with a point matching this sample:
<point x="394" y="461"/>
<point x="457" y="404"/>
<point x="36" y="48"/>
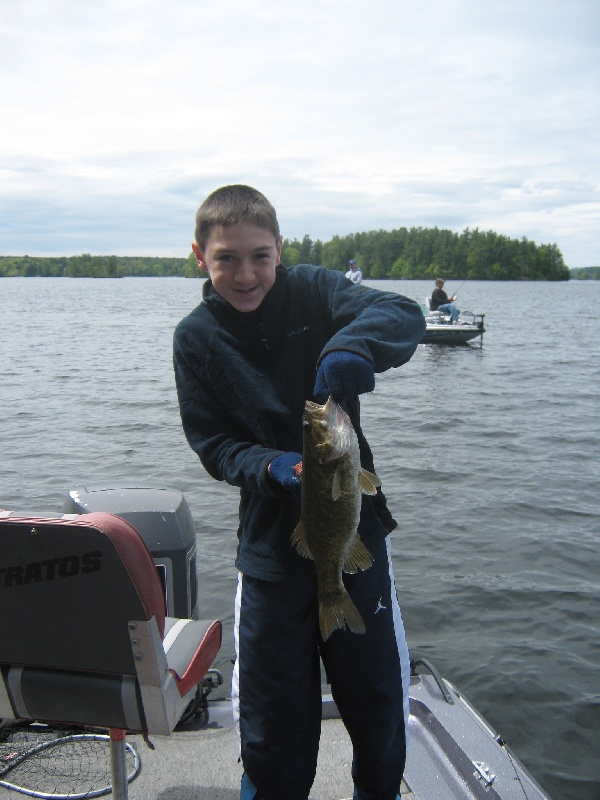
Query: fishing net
<point x="49" y="762"/>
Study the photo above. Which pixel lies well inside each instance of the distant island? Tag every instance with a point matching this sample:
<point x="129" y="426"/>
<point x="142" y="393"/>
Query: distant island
<point x="404" y="253"/>
<point x="586" y="274"/>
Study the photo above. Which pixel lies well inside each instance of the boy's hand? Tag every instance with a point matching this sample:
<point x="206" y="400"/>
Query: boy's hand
<point x="283" y="471"/>
<point x="343" y="374"/>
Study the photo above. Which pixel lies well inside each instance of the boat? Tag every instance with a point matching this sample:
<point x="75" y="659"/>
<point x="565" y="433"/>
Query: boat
<point x="453" y="753"/>
<point x="441" y="330"/>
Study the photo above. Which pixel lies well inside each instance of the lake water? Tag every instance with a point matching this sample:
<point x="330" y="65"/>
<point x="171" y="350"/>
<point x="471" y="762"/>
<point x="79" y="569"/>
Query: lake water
<point x="489" y="457"/>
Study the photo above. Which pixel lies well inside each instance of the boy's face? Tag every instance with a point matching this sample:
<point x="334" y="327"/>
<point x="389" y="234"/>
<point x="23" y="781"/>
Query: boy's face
<point x="241" y="261"/>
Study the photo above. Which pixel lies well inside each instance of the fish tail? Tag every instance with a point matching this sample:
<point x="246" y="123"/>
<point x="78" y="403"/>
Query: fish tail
<point x="337" y="612"/>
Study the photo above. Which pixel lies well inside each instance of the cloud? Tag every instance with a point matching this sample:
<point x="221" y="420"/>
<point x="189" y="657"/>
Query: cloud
<point x="350" y="116"/>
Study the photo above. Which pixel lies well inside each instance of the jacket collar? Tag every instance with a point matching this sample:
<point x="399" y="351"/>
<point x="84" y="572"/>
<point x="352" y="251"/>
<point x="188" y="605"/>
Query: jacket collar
<point x="267" y="323"/>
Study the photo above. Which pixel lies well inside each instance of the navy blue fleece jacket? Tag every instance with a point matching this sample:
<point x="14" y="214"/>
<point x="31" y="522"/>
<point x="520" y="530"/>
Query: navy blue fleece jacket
<point x="242" y="381"/>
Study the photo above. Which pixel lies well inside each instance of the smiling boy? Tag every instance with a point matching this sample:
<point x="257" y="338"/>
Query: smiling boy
<point x="241" y="261"/>
<point x="263" y="341"/>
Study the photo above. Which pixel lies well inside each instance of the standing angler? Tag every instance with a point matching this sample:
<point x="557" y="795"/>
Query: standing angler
<point x="332" y="483"/>
<point x="263" y="341"/>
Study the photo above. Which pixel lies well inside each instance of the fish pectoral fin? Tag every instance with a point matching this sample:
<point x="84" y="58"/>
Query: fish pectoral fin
<point x="358" y="557"/>
<point x="336" y="486"/>
<point x="299" y="541"/>
<point x="367" y="482"/>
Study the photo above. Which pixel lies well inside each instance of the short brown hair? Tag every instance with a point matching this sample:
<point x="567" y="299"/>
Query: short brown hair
<point x="232" y="204"/>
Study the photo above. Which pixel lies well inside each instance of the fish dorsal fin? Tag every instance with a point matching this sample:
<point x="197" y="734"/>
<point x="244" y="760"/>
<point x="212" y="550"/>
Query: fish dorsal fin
<point x="299" y="541"/>
<point x="367" y="482"/>
<point x="336" y="486"/>
<point x="358" y="557"/>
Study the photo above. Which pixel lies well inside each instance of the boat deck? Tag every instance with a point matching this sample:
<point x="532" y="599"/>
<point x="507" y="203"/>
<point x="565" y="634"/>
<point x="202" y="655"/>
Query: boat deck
<point x="452" y="753"/>
<point x="203" y="765"/>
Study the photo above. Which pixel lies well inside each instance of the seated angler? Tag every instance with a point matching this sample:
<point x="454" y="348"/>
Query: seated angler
<point x="441" y="302"/>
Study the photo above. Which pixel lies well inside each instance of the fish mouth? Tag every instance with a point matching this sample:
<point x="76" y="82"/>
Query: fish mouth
<point x="330" y="410"/>
<point x="310" y="406"/>
<point x="332" y="429"/>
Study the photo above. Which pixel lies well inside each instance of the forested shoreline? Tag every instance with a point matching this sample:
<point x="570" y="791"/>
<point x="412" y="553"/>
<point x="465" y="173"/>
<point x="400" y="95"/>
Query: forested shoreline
<point x="403" y="253"/>
<point x="586" y="274"/>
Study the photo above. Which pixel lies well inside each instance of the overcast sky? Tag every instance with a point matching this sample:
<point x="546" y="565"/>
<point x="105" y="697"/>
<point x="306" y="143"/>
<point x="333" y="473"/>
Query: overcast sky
<point x="120" y="116"/>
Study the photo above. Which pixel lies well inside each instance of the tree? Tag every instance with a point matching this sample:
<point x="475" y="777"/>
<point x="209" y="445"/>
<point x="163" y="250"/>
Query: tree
<point x="191" y="268"/>
<point x="290" y="255"/>
<point x="399" y="253"/>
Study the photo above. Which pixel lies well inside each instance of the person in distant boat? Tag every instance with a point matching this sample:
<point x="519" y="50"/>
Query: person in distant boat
<point x="354" y="274"/>
<point x="246" y="361"/>
<point x="441" y="302"/>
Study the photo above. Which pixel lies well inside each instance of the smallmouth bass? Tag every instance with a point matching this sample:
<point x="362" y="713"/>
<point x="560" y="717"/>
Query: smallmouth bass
<point x="332" y="485"/>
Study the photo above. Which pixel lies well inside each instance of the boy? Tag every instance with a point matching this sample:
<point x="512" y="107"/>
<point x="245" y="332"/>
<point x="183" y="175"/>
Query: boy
<point x="263" y="341"/>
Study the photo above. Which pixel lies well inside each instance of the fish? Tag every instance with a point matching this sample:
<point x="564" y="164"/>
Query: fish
<point x="332" y="485"/>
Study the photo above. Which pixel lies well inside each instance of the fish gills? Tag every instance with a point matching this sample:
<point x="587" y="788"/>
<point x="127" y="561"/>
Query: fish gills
<point x="332" y="484"/>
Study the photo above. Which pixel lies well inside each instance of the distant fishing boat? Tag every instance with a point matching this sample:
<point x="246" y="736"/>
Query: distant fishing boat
<point x="441" y="329"/>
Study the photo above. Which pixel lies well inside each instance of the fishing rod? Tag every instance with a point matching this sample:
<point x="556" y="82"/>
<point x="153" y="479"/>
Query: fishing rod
<point x="454" y="294"/>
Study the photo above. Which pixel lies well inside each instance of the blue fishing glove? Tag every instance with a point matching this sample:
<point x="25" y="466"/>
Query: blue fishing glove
<point x="343" y="374"/>
<point x="281" y="469"/>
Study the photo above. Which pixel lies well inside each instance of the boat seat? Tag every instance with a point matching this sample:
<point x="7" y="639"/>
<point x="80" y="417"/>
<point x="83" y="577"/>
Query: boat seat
<point x="83" y="634"/>
<point x="437" y="315"/>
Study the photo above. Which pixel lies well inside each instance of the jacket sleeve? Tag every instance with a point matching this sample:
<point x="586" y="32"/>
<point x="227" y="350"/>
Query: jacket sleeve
<point x="383" y="327"/>
<point x="226" y="449"/>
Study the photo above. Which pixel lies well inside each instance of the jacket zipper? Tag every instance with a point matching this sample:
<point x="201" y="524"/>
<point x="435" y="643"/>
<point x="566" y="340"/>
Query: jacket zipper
<point x="263" y="335"/>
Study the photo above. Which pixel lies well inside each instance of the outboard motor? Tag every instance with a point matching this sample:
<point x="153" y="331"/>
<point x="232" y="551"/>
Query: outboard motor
<point x="163" y="519"/>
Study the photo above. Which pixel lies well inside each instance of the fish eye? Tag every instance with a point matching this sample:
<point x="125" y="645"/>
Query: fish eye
<point x="306" y="425"/>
